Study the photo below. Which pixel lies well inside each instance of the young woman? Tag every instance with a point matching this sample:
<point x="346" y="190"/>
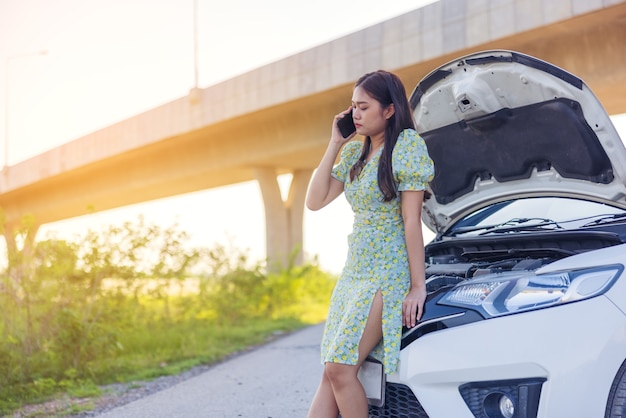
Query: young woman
<point x="382" y="285"/>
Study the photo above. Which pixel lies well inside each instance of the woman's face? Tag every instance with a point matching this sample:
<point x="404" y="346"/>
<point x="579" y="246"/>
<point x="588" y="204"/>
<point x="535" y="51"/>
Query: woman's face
<point x="369" y="117"/>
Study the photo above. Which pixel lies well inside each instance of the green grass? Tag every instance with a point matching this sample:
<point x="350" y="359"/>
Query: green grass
<point x="172" y="350"/>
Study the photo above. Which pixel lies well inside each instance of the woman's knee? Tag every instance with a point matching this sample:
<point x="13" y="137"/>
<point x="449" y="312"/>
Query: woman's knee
<point x="339" y="374"/>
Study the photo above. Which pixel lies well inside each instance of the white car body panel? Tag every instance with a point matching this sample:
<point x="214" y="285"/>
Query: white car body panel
<point x="436" y="380"/>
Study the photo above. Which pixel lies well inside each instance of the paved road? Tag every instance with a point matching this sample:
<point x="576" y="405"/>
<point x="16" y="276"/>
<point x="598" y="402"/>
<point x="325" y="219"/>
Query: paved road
<point x="277" y="380"/>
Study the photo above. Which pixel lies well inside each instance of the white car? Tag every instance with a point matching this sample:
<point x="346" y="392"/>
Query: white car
<point x="526" y="313"/>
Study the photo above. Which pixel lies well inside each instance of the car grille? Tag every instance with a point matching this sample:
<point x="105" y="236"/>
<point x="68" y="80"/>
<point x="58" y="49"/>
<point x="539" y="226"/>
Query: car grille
<point x="400" y="402"/>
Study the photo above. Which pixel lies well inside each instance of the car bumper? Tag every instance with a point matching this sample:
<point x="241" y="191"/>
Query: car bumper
<point x="517" y="348"/>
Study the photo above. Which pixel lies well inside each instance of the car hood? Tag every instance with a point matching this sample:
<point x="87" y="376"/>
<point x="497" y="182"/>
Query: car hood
<point x="501" y="125"/>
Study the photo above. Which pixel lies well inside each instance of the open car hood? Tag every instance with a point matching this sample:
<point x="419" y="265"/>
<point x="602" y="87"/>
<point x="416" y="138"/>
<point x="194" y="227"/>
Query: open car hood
<point x="501" y="125"/>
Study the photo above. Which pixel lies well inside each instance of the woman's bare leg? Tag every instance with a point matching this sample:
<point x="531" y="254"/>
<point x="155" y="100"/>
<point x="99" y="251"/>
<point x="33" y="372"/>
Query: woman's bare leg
<point x="348" y="391"/>
<point x="324" y="404"/>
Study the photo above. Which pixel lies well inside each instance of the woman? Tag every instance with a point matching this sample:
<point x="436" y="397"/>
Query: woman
<point x="382" y="284"/>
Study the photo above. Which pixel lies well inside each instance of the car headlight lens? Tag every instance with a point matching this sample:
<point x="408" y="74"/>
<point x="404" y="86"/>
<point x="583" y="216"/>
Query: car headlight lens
<point x="514" y="292"/>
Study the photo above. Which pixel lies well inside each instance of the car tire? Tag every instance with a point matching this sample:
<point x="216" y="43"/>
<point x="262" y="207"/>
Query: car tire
<point x="616" y="405"/>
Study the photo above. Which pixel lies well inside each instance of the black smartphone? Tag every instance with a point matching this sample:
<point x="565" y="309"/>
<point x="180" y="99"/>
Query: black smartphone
<point x="346" y="125"/>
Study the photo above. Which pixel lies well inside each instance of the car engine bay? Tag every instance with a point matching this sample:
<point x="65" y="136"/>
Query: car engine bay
<point x="450" y="261"/>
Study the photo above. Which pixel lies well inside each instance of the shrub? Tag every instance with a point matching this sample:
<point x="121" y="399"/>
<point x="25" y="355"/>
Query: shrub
<point x="135" y="300"/>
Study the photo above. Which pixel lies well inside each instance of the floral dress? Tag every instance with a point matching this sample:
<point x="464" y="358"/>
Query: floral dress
<point x="377" y="256"/>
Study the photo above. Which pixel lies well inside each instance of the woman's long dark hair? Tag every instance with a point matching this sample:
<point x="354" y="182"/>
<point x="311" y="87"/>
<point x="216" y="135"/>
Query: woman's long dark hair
<point x="387" y="89"/>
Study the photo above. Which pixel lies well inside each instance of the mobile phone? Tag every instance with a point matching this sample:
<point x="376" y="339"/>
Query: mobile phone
<point x="346" y="125"/>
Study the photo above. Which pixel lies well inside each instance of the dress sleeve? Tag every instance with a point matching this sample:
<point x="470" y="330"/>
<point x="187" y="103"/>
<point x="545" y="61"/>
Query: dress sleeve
<point x="349" y="155"/>
<point x="412" y="166"/>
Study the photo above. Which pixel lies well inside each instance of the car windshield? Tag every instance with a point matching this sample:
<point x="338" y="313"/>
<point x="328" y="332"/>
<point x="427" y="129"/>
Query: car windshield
<point x="532" y="214"/>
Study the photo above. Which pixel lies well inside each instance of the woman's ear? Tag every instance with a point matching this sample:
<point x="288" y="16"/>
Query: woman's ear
<point x="389" y="112"/>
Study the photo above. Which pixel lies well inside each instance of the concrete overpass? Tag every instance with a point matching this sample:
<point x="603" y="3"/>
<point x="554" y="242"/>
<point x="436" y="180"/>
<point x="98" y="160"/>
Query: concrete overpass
<point x="276" y="119"/>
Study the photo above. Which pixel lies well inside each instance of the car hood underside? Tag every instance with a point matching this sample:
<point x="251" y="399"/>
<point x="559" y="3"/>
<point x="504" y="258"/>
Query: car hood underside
<point x="501" y="125"/>
<point x="510" y="143"/>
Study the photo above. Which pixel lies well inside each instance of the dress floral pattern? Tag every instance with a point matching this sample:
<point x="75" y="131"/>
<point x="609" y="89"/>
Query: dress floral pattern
<point x="377" y="257"/>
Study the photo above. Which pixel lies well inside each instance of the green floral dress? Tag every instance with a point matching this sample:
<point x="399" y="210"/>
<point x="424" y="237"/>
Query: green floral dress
<point x="377" y="257"/>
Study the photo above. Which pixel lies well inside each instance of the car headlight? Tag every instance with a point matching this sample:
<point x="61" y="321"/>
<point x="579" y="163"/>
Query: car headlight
<point x="514" y="292"/>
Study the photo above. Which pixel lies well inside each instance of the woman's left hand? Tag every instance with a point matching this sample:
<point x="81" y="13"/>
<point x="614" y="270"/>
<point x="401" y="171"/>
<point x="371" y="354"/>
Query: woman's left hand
<point x="413" y="306"/>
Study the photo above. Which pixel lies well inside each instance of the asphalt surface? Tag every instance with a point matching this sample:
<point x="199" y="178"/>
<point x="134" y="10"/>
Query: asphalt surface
<point x="277" y="380"/>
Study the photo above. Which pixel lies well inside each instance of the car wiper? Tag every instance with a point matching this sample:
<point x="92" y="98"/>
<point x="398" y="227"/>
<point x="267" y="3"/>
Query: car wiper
<point x="511" y="223"/>
<point x="506" y="254"/>
<point x="541" y="225"/>
<point x="606" y="219"/>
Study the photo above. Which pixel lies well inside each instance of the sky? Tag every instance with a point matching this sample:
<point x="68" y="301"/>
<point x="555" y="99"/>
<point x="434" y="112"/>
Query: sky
<point x="108" y="60"/>
<point x="75" y="66"/>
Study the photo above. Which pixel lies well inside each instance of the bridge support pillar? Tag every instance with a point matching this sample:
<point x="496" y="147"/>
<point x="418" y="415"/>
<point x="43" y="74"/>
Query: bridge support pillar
<point x="20" y="244"/>
<point x="283" y="218"/>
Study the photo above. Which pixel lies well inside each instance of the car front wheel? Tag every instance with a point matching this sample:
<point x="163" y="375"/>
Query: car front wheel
<point x="616" y="405"/>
